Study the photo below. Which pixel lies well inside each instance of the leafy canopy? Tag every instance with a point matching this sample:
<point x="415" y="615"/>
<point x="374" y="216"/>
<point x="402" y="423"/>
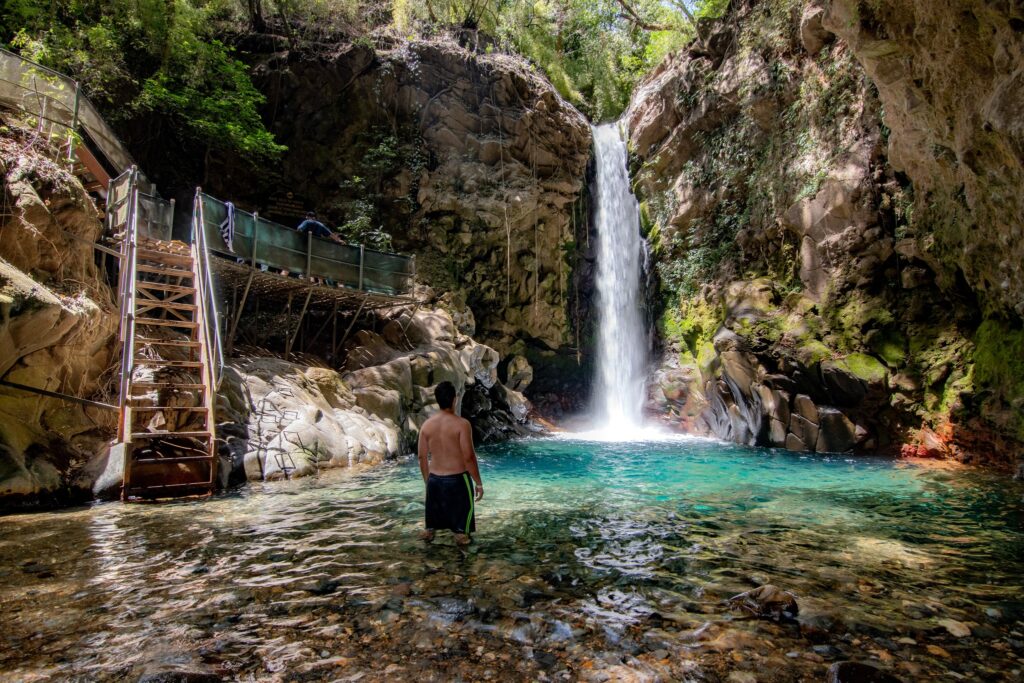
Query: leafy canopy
<point x="138" y="56"/>
<point x="593" y="51"/>
<point x="173" y="58"/>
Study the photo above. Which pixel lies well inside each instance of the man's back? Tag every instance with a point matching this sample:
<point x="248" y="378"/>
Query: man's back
<point x="447" y="437"/>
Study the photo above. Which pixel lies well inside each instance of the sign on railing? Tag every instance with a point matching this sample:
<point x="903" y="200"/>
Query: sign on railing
<point x="263" y="244"/>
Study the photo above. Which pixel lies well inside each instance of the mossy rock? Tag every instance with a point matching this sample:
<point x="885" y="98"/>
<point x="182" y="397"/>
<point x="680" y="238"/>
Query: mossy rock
<point x="707" y="360"/>
<point x="812" y="352"/>
<point x="999" y="364"/>
<point x="891" y="346"/>
<point x="866" y="368"/>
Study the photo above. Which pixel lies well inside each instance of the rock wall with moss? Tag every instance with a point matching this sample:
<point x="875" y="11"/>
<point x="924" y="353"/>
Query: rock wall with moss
<point x="823" y="287"/>
<point x="470" y="161"/>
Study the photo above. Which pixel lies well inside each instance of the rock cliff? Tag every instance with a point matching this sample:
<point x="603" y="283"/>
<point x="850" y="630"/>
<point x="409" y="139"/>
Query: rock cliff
<point x="811" y="228"/>
<point x="58" y="329"/>
<point x="470" y="161"/>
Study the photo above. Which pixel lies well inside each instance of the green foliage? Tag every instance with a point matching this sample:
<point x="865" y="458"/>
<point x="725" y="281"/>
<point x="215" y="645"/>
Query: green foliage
<point x="702" y="250"/>
<point x="592" y="51"/>
<point x="359" y="228"/>
<point x="135" y="56"/>
<point x="689" y="325"/>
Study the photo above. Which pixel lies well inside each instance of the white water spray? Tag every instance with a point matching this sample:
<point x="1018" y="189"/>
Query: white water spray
<point x="619" y="395"/>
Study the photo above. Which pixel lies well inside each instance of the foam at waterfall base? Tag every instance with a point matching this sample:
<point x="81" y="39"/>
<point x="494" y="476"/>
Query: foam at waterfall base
<point x="628" y="434"/>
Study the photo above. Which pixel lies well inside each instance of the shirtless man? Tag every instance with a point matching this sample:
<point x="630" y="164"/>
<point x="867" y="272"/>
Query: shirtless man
<point x="447" y="462"/>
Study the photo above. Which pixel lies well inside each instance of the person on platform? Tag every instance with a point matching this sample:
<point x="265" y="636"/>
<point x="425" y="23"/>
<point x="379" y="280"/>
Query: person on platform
<point x="448" y="464"/>
<point x="318" y="229"/>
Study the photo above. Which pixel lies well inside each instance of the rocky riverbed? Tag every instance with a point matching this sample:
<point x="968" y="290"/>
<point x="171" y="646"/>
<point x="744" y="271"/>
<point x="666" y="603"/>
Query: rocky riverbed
<point x="594" y="562"/>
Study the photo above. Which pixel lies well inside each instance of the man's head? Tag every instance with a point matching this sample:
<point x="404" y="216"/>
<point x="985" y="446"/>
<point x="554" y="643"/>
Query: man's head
<point x="445" y="395"/>
<point x="311" y="215"/>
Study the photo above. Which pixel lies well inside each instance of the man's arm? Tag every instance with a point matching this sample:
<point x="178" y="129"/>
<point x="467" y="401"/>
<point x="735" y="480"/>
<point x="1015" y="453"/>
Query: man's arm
<point x="469" y="456"/>
<point x="422" y="451"/>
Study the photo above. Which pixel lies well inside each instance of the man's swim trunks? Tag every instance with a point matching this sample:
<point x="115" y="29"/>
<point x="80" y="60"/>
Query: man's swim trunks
<point x="450" y="503"/>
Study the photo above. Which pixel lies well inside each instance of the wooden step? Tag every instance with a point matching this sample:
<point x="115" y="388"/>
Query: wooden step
<point x="149" y="386"/>
<point x="164" y="287"/>
<point x="156" y="303"/>
<point x="161" y="270"/>
<point x="139" y="490"/>
<point x="167" y="323"/>
<point x="157" y="409"/>
<point x="173" y="459"/>
<point x="167" y="342"/>
<point x="161" y="362"/>
<point x="164" y="257"/>
<point x="170" y="435"/>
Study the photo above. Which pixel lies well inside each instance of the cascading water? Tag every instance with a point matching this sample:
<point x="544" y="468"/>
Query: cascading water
<point x="621" y="349"/>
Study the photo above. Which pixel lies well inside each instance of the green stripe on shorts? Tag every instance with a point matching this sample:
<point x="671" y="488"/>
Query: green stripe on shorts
<point x="469" y="488"/>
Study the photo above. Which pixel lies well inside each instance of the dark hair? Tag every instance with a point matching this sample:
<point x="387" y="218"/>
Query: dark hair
<point x="311" y="214"/>
<point x="445" y="395"/>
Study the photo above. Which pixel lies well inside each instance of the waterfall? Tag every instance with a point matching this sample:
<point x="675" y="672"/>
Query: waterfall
<point x="621" y="361"/>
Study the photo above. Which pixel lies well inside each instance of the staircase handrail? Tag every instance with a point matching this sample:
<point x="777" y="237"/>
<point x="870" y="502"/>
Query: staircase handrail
<point x="129" y="255"/>
<point x="205" y="294"/>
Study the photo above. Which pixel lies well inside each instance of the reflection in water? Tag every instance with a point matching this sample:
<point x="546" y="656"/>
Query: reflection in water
<point x="591" y="556"/>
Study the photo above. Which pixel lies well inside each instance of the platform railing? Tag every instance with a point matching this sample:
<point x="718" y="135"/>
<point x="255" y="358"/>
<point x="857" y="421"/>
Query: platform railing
<point x="57" y="100"/>
<point x="265" y="245"/>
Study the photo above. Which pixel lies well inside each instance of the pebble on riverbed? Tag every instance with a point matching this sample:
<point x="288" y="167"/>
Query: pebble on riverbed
<point x="856" y="672"/>
<point x="767" y="602"/>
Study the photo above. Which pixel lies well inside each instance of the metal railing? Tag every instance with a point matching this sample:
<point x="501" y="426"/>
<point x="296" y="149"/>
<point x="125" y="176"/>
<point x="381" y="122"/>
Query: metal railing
<point x="266" y="245"/>
<point x="124" y="218"/>
<point x="206" y="298"/>
<point x="57" y="99"/>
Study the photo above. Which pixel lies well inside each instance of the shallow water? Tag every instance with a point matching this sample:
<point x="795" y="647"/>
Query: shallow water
<point x="593" y="561"/>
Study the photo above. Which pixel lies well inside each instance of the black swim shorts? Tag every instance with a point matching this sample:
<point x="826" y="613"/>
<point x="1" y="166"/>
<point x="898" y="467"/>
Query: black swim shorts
<point x="450" y="503"/>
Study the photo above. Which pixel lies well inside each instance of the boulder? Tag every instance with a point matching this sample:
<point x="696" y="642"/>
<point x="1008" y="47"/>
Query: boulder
<point x="813" y="35"/>
<point x="804" y="430"/>
<point x="844" y="388"/>
<point x="777" y="433"/>
<point x="519" y="374"/>
<point x="836" y="433"/>
<point x="805" y="408"/>
<point x="796" y="444"/>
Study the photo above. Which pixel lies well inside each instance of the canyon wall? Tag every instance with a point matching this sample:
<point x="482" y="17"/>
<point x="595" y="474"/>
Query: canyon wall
<point x="58" y="329"/>
<point x="470" y="161"/>
<point x="837" y="242"/>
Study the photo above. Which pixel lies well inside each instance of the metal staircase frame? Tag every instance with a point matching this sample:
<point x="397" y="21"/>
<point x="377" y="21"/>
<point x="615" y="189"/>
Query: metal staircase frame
<point x="143" y="241"/>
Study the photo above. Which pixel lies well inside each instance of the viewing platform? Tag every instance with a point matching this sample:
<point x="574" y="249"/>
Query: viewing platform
<point x="261" y="250"/>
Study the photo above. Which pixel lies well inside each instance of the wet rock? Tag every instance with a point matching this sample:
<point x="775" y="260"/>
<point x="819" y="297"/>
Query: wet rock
<point x="827" y="651"/>
<point x="805" y="431"/>
<point x="805" y="408"/>
<point x="767" y="602"/>
<point x="546" y="660"/>
<point x="856" y="672"/>
<point x="519" y="374"/>
<point x="957" y="629"/>
<point x="455" y="608"/>
<point x="184" y="676"/>
<point x="836" y="433"/>
<point x="796" y="444"/>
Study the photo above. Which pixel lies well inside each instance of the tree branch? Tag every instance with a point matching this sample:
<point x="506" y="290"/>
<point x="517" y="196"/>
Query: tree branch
<point x="640" y="22"/>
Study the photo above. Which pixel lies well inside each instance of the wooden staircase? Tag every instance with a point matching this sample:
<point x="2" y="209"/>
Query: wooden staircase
<point x="168" y="370"/>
